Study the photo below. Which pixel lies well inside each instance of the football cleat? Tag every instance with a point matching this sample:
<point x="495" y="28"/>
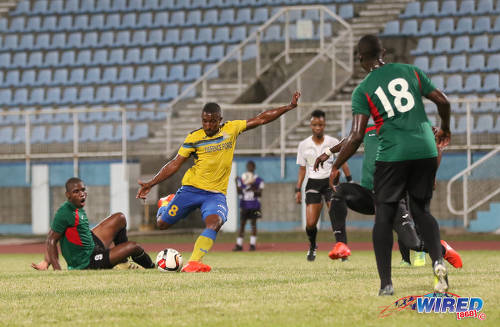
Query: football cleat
<point x="252" y="247"/>
<point x="339" y="251"/>
<point x="451" y="255"/>
<point x="196" y="266"/>
<point x="311" y="254"/>
<point x="128" y="265"/>
<point x="237" y="248"/>
<point x="387" y="290"/>
<point x="404" y="263"/>
<point x="419" y="259"/>
<point x="440" y="277"/>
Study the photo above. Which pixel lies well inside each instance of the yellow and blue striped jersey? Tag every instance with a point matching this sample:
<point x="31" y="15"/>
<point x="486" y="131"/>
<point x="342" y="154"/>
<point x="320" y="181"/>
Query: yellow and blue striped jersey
<point x="213" y="156"/>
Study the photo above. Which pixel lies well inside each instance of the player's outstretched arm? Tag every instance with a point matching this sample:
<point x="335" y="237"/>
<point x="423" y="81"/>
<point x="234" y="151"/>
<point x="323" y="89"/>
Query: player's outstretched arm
<point x="271" y="114"/>
<point x="300" y="179"/>
<point x="443" y="136"/>
<point x="325" y="155"/>
<point x="51" y="253"/>
<point x="165" y="172"/>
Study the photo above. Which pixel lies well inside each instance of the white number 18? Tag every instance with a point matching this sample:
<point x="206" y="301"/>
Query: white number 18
<point x="398" y="96"/>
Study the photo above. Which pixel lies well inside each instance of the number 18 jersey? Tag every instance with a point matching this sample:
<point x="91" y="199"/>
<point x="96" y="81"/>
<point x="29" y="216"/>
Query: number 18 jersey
<point x="392" y="95"/>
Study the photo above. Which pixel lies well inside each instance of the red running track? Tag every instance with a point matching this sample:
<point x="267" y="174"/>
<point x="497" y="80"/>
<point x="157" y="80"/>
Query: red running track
<point x="263" y="247"/>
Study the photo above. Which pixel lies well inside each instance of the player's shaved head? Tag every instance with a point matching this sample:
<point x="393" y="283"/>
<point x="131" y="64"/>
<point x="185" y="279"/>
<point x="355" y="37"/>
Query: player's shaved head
<point x="72" y="181"/>
<point x="212" y="108"/>
<point x="370" y="47"/>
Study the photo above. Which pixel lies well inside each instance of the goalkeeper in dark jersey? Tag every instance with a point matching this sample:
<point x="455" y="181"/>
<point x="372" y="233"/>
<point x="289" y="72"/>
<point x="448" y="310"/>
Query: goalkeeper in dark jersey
<point x="360" y="198"/>
<point x="406" y="160"/>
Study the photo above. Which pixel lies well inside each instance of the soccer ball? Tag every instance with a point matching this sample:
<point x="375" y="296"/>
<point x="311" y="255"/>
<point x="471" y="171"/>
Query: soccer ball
<point x="169" y="260"/>
<point x="248" y="178"/>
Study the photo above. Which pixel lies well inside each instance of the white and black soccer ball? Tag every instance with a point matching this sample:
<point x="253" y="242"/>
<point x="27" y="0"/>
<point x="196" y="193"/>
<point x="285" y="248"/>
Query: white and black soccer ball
<point x="169" y="260"/>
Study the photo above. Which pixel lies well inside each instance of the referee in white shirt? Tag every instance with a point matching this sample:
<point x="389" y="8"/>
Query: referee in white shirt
<point x="317" y="183"/>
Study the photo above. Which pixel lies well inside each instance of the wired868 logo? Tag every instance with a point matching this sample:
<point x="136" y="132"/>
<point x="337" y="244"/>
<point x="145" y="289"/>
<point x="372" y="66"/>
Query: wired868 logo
<point x="462" y="307"/>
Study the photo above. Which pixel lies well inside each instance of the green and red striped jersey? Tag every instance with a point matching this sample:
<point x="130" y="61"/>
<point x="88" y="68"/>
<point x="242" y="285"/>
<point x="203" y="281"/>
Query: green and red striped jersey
<point x="77" y="243"/>
<point x="392" y="95"/>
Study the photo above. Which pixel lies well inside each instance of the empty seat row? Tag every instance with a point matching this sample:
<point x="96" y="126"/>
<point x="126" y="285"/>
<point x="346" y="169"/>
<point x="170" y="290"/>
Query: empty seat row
<point x="473" y="83"/>
<point x="157" y="37"/>
<point x="88" y="95"/>
<point x="64" y="134"/>
<point x="96" y="75"/>
<point x="484" y="123"/>
<point x="461" y="44"/>
<point x="26" y="7"/>
<point x="459" y="63"/>
<point x="450" y="8"/>
<point x="487" y="103"/>
<point x="112" y="57"/>
<point x="464" y="25"/>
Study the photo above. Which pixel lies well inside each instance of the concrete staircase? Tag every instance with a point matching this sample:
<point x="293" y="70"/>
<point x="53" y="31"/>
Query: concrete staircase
<point x="487" y="221"/>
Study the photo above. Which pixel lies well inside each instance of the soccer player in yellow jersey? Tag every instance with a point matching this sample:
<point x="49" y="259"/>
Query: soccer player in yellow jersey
<point x="204" y="185"/>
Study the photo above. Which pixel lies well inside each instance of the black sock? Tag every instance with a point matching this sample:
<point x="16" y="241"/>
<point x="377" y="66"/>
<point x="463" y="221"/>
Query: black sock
<point x="121" y="236"/>
<point x="338" y="214"/>
<point x="382" y="244"/>
<point x="428" y="226"/>
<point x="311" y="234"/>
<point x="405" y="252"/>
<point x="144" y="260"/>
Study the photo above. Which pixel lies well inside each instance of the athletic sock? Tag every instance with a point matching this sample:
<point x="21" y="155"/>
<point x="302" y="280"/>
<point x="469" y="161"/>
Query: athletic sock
<point x="203" y="244"/>
<point x="405" y="252"/>
<point x="382" y="244"/>
<point x="144" y="260"/>
<point x="239" y="241"/>
<point x="338" y="214"/>
<point x="311" y="234"/>
<point x="253" y="240"/>
<point x="121" y="236"/>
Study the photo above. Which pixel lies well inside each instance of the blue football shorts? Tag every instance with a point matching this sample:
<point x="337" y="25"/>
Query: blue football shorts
<point x="189" y="198"/>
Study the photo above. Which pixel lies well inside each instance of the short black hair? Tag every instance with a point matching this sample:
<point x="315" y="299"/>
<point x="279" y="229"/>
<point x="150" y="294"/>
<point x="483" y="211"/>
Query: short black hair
<point x="318" y="114"/>
<point x="212" y="108"/>
<point x="250" y="162"/>
<point x="370" y="47"/>
<point x="71" y="181"/>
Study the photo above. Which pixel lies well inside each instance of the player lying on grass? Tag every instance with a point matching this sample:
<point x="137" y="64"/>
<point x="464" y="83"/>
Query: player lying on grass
<point x="360" y="198"/>
<point x="204" y="185"/>
<point x="406" y="161"/>
<point x="83" y="248"/>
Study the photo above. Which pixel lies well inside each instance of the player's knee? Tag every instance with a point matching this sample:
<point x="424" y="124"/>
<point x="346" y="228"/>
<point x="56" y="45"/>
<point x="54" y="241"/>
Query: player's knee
<point x="120" y="219"/>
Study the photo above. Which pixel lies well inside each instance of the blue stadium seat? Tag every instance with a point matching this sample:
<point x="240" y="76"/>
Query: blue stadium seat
<point x="103" y="6"/>
<point x="10" y="42"/>
<point x="74" y="40"/>
<point x="116" y="56"/>
<point x="149" y="55"/>
<point x="210" y="18"/>
<point x="216" y="53"/>
<point x="136" y="93"/>
<point x="53" y="96"/>
<point x="482" y="25"/>
<point x="128" y="21"/>
<point x="17" y="24"/>
<point x="199" y="54"/>
<point x="139" y="38"/>
<point x="122" y="38"/>
<point x="260" y="16"/>
<point x="412" y="10"/>
<point x="19" y="59"/>
<point x="243" y="16"/>
<point x="427" y="27"/>
<point x="135" y="5"/>
<point x="430" y="9"/>
<point x="466" y="8"/>
<point x="443" y="44"/>
<point x="145" y="20"/>
<point x="90" y="40"/>
<point x="20" y="97"/>
<point x="476" y="63"/>
<point x="488" y="106"/>
<point x="68" y="134"/>
<point x="73" y="7"/>
<point x="493" y="63"/>
<point x="38" y="135"/>
<point x="172" y="36"/>
<point x="448" y="8"/>
<point x="77" y="76"/>
<point x="457" y="64"/>
<point x="171" y="92"/>
<point x="89" y="132"/>
<point x="438" y="81"/>
<point x="161" y="19"/>
<point x="495" y="44"/>
<point x="193" y="18"/>
<point x="28" y="77"/>
<point x="44" y="77"/>
<point x="70" y="95"/>
<point x="213" y="74"/>
<point x="54" y="134"/>
<point x="5" y="59"/>
<point x="160" y="74"/>
<point x="59" y="41"/>
<point x="3" y="24"/>
<point x="484" y="7"/>
<point x="188" y="36"/>
<point x="96" y="22"/>
<point x="65" y="23"/>
<point x="461" y="44"/>
<point x="6" y="135"/>
<point x="446" y="26"/>
<point x="221" y="35"/>
<point x="484" y="124"/>
<point x="153" y="92"/>
<point x="491" y="83"/>
<point x="472" y="83"/>
<point x="27" y="42"/>
<point x="100" y="57"/>
<point x="133" y="56"/>
<point x="126" y="74"/>
<point x="103" y="94"/>
<point x="105" y="133"/>
<point x="81" y="22"/>
<point x="12" y="78"/>
<point x="15" y="117"/>
<point x="140" y="132"/>
<point x="497" y="7"/>
<point x="22" y="7"/>
<point x="119" y="5"/>
<point x="93" y="76"/>
<point x="5" y="97"/>
<point x="464" y="26"/>
<point x="176" y="73"/>
<point x="37" y="96"/>
<point x="480" y="44"/>
<point x="19" y="135"/>
<point x="156" y="37"/>
<point x="60" y="76"/>
<point x="391" y="28"/>
<point x="193" y="72"/>
<point x="112" y="21"/>
<point x="86" y="95"/>
<point x="250" y="52"/>
<point x="40" y="7"/>
<point x="34" y="24"/>
<point x="199" y="4"/>
<point x="204" y="35"/>
<point x="496" y="25"/>
<point x="182" y="54"/>
<point x="166" y="54"/>
<point x="272" y="33"/>
<point x="143" y="74"/>
<point x="95" y="115"/>
<point x="177" y="18"/>
<point x="239" y="34"/>
<point x="226" y="17"/>
<point x="84" y="58"/>
<point x="35" y="59"/>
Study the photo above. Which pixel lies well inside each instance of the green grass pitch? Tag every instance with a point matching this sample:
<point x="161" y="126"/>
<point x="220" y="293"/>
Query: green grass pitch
<point x="243" y="289"/>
